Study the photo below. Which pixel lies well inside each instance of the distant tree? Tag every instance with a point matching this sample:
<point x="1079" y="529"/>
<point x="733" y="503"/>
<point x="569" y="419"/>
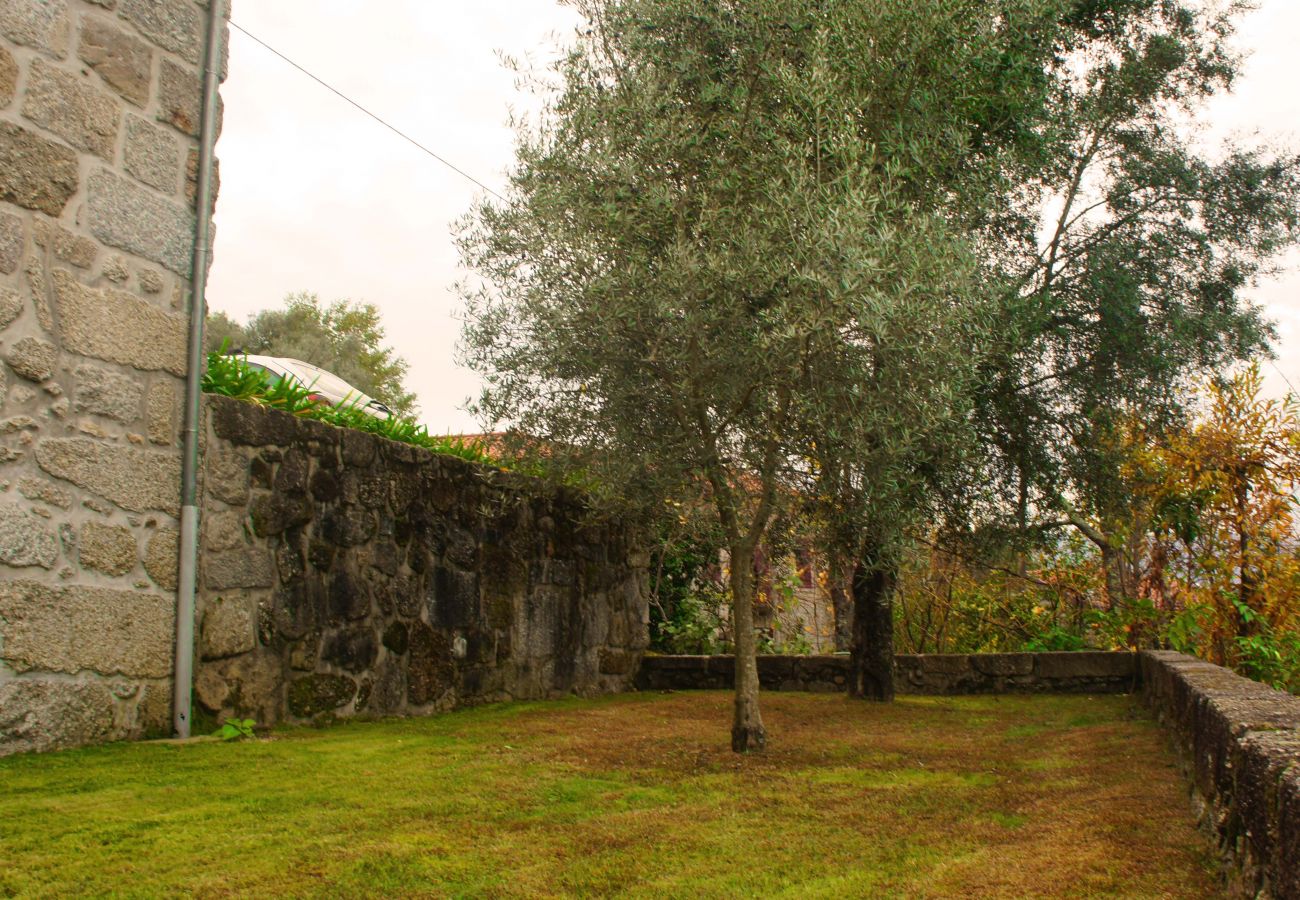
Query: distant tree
<point x="1129" y="255"/>
<point x="344" y="337"/>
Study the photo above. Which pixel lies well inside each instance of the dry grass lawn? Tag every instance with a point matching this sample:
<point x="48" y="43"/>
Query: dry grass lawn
<point x="636" y="795"/>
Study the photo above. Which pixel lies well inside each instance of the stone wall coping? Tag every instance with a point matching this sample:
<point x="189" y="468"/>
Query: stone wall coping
<point x="1239" y="742"/>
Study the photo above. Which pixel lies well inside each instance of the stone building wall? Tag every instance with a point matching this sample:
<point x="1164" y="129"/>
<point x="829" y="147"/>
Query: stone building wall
<point x="99" y="117"/>
<point x="344" y="574"/>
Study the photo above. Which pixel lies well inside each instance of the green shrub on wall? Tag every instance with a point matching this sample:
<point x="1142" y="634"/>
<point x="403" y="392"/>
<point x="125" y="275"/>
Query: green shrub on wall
<point x="232" y="376"/>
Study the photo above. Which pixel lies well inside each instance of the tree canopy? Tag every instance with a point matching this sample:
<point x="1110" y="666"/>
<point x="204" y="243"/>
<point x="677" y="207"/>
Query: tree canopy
<point x="344" y="337"/>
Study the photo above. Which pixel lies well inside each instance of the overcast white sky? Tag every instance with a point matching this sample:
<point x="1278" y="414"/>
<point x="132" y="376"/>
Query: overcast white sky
<point x="315" y="196"/>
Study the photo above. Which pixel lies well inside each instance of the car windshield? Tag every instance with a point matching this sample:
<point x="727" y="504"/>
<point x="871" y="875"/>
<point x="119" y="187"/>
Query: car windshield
<point x="326" y="382"/>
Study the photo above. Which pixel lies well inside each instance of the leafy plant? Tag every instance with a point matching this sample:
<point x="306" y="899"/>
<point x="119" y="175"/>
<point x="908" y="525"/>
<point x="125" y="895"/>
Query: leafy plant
<point x="232" y="376"/>
<point x="235" y="730"/>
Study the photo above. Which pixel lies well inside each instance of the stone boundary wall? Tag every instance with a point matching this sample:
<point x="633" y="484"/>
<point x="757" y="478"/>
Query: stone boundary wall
<point x="1239" y="743"/>
<point x="99" y="122"/>
<point x="983" y="673"/>
<point x="343" y="574"/>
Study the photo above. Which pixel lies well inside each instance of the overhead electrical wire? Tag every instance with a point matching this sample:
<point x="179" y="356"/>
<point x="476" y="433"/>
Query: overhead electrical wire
<point x="393" y="128"/>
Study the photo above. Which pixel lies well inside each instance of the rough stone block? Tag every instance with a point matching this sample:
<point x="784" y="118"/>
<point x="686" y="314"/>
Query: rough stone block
<point x="320" y="693"/>
<point x="161" y="413"/>
<point x="45" y="492"/>
<point x="1003" y="664"/>
<point x="153" y="712"/>
<point x="66" y="246"/>
<point x="40" y="715"/>
<point x="162" y="558"/>
<point x="227" y="476"/>
<point x="103" y="392"/>
<point x="74" y="628"/>
<point x="11" y="243"/>
<point x="131" y="477"/>
<point x="42" y="24"/>
<point x="25" y="539"/>
<point x="431" y="672"/>
<point x="123" y="61"/>
<point x="118" y="327"/>
<point x="180" y="98"/>
<point x="8" y="77"/>
<point x="78" y="112"/>
<point x="11" y="306"/>
<point x="152" y="155"/>
<point x="352" y="649"/>
<point x="229" y="627"/>
<point x="32" y="358"/>
<point x="223" y="531"/>
<point x="110" y="549"/>
<point x="192" y="179"/>
<point x="36" y="173"/>
<point x="129" y="217"/>
<point x="1086" y="664"/>
<point x="175" y="25"/>
<point x="243" y="568"/>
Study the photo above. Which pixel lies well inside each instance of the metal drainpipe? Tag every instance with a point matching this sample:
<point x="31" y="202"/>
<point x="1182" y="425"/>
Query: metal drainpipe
<point x="189" y="538"/>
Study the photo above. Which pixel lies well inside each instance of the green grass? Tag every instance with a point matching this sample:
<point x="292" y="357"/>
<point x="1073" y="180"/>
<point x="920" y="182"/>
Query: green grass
<point x="636" y="795"/>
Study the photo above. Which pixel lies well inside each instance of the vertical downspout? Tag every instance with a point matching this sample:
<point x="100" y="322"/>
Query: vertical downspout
<point x="189" y="538"/>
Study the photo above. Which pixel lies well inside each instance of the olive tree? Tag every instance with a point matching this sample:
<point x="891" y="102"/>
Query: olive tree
<point x="731" y="253"/>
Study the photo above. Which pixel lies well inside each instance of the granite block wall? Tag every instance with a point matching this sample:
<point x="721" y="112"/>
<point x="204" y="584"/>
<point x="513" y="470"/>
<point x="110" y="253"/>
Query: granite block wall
<point x="99" y="117"/>
<point x="343" y="574"/>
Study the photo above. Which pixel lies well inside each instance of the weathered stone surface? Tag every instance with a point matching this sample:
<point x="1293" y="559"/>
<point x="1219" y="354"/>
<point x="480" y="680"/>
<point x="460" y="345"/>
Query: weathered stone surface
<point x="152" y="155"/>
<point x="223" y="531"/>
<point x="32" y="358"/>
<point x="151" y="282"/>
<point x="66" y="246"/>
<point x="110" y="549"/>
<point x="352" y="649"/>
<point x="227" y="476"/>
<point x="42" y="24"/>
<point x="11" y="306"/>
<point x="115" y="270"/>
<point x="123" y="61"/>
<point x="78" y="112"/>
<point x="73" y="628"/>
<point x="192" y="178"/>
<point x="161" y="413"/>
<point x="36" y="173"/>
<point x="38" y="715"/>
<point x="118" y="327"/>
<point x="11" y="243"/>
<point x="8" y="77"/>
<point x="45" y="492"/>
<point x="229" y="626"/>
<point x="179" y="97"/>
<point x="274" y="514"/>
<point x="397" y="637"/>
<point x="131" y="477"/>
<point x="174" y="25"/>
<point x="103" y="392"/>
<point x="320" y="693"/>
<point x="129" y="217"/>
<point x="243" y="568"/>
<point x="162" y="557"/>
<point x="25" y="539"/>
<point x="153" y="712"/>
<point x="431" y="672"/>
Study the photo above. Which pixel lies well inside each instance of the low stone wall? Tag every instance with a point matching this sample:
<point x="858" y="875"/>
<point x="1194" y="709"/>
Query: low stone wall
<point x="1239" y="742"/>
<point x="982" y="673"/>
<point x="345" y="574"/>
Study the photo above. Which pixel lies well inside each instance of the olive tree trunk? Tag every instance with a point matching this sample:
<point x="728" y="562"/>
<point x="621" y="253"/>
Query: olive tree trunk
<point x="871" y="665"/>
<point x="747" y="731"/>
